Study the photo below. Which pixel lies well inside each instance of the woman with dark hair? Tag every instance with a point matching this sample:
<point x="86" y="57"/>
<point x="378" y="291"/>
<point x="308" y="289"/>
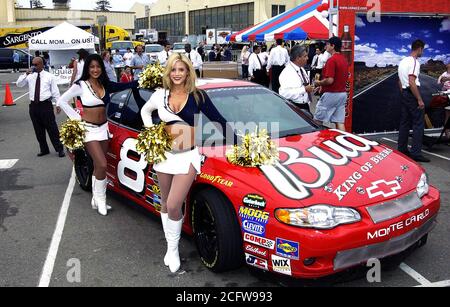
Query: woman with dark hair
<point x="94" y="89"/>
<point x="78" y="65"/>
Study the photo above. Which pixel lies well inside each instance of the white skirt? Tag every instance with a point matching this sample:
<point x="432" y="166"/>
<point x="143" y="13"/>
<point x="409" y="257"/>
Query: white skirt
<point x="179" y="163"/>
<point x="96" y="133"/>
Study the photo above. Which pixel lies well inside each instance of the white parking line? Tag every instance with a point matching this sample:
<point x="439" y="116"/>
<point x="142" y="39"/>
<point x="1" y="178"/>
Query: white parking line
<point x="6" y="164"/>
<point x="21" y="97"/>
<point x="47" y="271"/>
<point x="419" y="278"/>
<point x="430" y="153"/>
<point x="439" y="284"/>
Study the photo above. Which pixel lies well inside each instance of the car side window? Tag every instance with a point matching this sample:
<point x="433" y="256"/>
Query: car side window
<point x="131" y="115"/>
<point x="4" y="53"/>
<point x="116" y="106"/>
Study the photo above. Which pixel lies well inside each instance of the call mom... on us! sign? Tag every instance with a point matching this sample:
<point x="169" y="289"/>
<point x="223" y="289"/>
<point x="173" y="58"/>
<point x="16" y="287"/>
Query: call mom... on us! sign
<point x="62" y="41"/>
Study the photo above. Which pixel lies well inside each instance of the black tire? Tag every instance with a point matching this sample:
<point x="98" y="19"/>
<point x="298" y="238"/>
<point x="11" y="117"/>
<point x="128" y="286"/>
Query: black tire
<point x="217" y="234"/>
<point x="84" y="169"/>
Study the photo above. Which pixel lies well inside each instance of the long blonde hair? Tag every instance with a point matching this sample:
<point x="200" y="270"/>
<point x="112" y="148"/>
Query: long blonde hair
<point x="189" y="85"/>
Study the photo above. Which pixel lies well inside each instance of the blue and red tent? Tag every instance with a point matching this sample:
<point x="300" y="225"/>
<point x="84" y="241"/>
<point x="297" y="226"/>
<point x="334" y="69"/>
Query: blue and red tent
<point x="300" y="23"/>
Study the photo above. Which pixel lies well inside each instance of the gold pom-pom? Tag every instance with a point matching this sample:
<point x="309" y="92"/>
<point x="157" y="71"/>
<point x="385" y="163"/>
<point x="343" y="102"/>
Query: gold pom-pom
<point x="152" y="76"/>
<point x="154" y="142"/>
<point x="256" y="149"/>
<point x="72" y="134"/>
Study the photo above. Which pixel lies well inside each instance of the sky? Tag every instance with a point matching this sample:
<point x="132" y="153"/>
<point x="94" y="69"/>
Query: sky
<point x="117" y="5"/>
<point x="389" y="41"/>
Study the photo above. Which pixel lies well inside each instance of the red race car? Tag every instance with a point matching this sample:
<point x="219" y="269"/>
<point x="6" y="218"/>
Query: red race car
<point x="333" y="201"/>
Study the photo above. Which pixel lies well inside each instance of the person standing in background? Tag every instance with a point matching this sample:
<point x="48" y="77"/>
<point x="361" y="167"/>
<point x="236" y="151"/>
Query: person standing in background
<point x="413" y="107"/>
<point x="106" y="56"/>
<point x="195" y="58"/>
<point x="42" y="88"/>
<point x="164" y="55"/>
<point x="278" y="58"/>
<point x="245" y="54"/>
<point x="314" y="64"/>
<point x="127" y="57"/>
<point x="227" y="55"/>
<point x="294" y="81"/>
<point x="257" y="67"/>
<point x="16" y="62"/>
<point x="331" y="106"/>
<point x="78" y="65"/>
<point x="139" y="62"/>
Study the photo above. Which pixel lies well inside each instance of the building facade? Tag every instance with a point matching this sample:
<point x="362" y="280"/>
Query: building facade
<point x="11" y="17"/>
<point x="193" y="17"/>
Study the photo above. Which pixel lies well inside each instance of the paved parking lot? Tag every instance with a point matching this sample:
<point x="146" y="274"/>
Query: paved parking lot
<point x="126" y="247"/>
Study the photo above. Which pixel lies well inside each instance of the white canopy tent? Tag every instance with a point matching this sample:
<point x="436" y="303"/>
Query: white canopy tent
<point x="62" y="42"/>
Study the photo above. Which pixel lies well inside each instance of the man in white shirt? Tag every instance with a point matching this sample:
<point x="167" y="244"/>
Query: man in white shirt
<point x="294" y="81"/>
<point x="164" y="55"/>
<point x="127" y="57"/>
<point x="413" y="107"/>
<point x="315" y="63"/>
<point x="42" y="88"/>
<point x="257" y="67"/>
<point x="323" y="58"/>
<point x="195" y="58"/>
<point x="278" y="58"/>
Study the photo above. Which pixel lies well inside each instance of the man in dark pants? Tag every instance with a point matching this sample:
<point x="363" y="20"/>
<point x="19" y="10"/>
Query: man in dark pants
<point x="412" y="112"/>
<point x="42" y="86"/>
<point x="278" y="58"/>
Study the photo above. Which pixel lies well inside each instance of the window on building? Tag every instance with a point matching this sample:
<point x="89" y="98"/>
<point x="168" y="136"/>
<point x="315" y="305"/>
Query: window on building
<point x="278" y="9"/>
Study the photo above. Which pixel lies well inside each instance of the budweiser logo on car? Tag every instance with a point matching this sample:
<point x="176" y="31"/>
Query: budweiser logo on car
<point x="256" y="250"/>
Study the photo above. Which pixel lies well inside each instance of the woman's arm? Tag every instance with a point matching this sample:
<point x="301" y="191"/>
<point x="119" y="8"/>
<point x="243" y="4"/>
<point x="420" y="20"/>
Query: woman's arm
<point x="63" y="102"/>
<point x="149" y="107"/>
<point x="114" y="87"/>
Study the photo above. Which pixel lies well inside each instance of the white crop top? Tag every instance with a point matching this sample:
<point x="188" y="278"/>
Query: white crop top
<point x="156" y="102"/>
<point x="88" y="99"/>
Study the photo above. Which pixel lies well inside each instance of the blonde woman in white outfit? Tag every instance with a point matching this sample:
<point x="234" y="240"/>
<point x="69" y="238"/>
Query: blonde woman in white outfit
<point x="178" y="104"/>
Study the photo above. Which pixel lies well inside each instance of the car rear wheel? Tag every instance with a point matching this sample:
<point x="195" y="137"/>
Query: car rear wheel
<point x="84" y="169"/>
<point x="216" y="231"/>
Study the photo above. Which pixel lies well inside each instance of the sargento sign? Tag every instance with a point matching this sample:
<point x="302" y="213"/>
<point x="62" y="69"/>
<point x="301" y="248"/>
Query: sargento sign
<point x="17" y="37"/>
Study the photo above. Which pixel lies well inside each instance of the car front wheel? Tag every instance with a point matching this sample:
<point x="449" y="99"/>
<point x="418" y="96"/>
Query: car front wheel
<point x="216" y="231"/>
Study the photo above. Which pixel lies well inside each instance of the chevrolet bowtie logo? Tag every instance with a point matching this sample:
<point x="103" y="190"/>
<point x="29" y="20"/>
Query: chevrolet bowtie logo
<point x="383" y="188"/>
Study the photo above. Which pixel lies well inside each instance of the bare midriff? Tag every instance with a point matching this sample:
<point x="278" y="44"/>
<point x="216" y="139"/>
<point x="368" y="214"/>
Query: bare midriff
<point x="183" y="136"/>
<point x="94" y="115"/>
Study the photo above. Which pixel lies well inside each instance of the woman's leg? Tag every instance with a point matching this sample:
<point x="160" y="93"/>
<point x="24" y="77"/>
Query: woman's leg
<point x="97" y="153"/>
<point x="99" y="182"/>
<point x="181" y="184"/>
<point x="165" y="182"/>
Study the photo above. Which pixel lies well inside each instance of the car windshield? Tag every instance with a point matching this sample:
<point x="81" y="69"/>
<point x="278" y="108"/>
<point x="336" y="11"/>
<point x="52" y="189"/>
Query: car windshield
<point x="178" y="46"/>
<point x="122" y="45"/>
<point x="157" y="48"/>
<point x="251" y="107"/>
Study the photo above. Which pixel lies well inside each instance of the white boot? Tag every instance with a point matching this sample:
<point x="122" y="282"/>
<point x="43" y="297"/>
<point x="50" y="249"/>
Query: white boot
<point x="99" y="194"/>
<point x="173" y="232"/>
<point x="93" y="203"/>
<point x="164" y="219"/>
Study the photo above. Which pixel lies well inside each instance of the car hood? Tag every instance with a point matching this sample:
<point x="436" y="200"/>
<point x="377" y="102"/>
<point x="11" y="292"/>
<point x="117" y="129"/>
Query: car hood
<point x="326" y="167"/>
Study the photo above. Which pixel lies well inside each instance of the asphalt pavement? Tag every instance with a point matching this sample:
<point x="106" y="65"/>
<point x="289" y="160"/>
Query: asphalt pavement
<point x="126" y="247"/>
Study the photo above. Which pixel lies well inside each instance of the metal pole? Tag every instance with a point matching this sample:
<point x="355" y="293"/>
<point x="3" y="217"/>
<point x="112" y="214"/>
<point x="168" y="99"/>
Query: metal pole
<point x="330" y="18"/>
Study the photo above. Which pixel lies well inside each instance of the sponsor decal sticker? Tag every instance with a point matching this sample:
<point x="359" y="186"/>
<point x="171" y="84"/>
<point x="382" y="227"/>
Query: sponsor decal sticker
<point x="281" y="265"/>
<point x="286" y="248"/>
<point x="254" y="227"/>
<point x="256" y="250"/>
<point x="260" y="241"/>
<point x="384" y="232"/>
<point x="217" y="179"/>
<point x="254" y="201"/>
<point x="256" y="262"/>
<point x="383" y="188"/>
<point x="254" y="215"/>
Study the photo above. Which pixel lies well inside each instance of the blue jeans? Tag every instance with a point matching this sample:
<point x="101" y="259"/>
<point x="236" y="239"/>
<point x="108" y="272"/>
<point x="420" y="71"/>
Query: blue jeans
<point x="411" y="116"/>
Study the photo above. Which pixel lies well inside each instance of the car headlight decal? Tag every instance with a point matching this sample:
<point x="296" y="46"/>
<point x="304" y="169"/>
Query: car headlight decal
<point x="318" y="216"/>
